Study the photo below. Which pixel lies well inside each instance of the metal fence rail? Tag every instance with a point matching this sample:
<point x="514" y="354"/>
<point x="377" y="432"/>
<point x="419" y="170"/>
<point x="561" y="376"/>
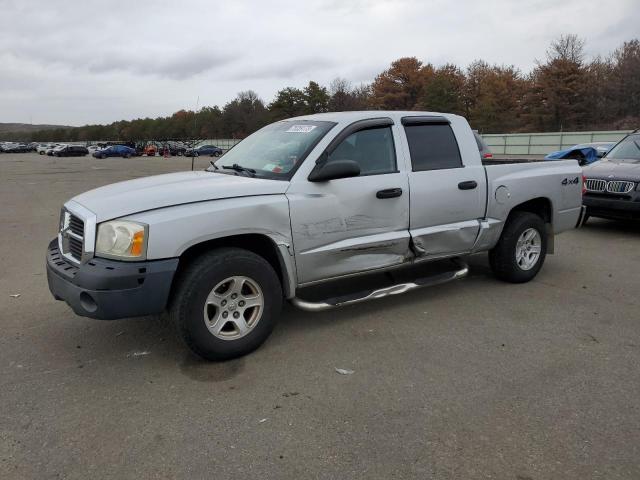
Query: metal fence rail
<point x="543" y="143"/>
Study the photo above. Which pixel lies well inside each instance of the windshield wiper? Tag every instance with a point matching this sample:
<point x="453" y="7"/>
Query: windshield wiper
<point x="240" y="168"/>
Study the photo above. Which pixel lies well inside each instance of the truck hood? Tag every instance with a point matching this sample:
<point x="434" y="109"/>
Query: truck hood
<point x="617" y="169"/>
<point x="148" y="193"/>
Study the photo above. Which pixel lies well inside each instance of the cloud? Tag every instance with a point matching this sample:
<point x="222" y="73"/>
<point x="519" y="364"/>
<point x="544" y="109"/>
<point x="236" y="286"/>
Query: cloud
<point x="85" y="61"/>
<point x="178" y="66"/>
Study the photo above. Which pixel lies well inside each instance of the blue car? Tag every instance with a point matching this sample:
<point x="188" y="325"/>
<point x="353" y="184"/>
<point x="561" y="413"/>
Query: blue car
<point x="204" y="150"/>
<point x="585" y="153"/>
<point x="115" y="151"/>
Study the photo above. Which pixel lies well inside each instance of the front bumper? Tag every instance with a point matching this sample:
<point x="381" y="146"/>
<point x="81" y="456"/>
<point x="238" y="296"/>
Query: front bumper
<point x="608" y="207"/>
<point x="110" y="289"/>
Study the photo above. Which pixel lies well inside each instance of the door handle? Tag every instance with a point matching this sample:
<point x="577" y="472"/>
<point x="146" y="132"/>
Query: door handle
<point x="389" y="193"/>
<point x="468" y="185"/>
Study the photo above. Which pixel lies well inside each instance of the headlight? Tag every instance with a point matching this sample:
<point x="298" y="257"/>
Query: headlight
<point x="122" y="239"/>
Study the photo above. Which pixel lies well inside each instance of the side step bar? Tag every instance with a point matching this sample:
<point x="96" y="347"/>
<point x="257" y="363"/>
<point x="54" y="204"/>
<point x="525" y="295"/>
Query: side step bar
<point x="397" y="289"/>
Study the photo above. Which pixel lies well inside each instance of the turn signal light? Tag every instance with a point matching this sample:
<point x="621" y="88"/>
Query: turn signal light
<point x="137" y="243"/>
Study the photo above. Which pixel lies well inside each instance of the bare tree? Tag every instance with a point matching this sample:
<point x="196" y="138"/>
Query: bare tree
<point x="568" y="47"/>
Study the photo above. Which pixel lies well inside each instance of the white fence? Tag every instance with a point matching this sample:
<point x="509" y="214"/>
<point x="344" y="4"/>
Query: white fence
<point x="543" y="143"/>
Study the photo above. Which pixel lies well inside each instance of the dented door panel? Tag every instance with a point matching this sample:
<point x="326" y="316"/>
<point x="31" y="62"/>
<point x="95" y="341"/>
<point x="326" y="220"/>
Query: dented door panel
<point x="340" y="227"/>
<point x="445" y="219"/>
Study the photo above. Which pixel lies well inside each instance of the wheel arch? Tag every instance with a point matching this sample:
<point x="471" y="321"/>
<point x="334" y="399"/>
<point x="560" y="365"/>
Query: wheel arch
<point x="277" y="254"/>
<point x="543" y="207"/>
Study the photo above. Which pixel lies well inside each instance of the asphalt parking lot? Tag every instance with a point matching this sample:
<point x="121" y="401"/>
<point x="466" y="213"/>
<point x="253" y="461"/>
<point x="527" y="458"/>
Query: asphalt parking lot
<point x="472" y="379"/>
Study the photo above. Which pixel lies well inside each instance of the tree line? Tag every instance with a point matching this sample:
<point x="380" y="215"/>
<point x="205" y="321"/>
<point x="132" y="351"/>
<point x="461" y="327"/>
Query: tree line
<point x="563" y="92"/>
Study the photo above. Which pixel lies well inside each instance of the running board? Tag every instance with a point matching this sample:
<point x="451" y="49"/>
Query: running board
<point x="397" y="289"/>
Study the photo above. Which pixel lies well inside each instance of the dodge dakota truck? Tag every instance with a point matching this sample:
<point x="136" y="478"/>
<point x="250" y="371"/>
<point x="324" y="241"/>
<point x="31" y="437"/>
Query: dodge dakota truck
<point x="297" y="207"/>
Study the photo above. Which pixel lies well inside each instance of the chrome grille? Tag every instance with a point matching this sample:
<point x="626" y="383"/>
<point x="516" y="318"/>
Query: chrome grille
<point x="614" y="186"/>
<point x="618" y="186"/>
<point x="595" y="185"/>
<point x="76" y="225"/>
<point x="71" y="238"/>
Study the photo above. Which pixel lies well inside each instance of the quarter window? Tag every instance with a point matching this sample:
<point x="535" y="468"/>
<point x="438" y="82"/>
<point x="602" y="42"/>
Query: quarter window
<point x="432" y="147"/>
<point x="373" y="149"/>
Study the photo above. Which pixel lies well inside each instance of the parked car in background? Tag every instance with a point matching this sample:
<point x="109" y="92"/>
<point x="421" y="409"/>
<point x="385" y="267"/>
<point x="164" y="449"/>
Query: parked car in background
<point x="204" y="150"/>
<point x="115" y="151"/>
<point x="16" y="148"/>
<point x="613" y="183"/>
<point x="150" y="150"/>
<point x="71" y="151"/>
<point x="485" y="151"/>
<point x="173" y="149"/>
<point x="43" y="147"/>
<point x="52" y="151"/>
<point x="584" y="153"/>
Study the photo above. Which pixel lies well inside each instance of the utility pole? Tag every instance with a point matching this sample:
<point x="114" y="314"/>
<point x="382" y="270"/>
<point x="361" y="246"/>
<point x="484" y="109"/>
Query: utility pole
<point x="195" y="133"/>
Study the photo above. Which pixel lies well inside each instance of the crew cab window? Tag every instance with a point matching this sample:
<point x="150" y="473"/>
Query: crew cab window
<point x="373" y="149"/>
<point x="432" y="147"/>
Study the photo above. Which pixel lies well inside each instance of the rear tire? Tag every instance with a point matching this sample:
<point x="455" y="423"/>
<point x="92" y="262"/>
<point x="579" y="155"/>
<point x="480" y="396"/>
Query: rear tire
<point x="521" y="250"/>
<point x="212" y="322"/>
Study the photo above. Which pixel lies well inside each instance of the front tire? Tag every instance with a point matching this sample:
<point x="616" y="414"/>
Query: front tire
<point x="521" y="250"/>
<point x="227" y="303"/>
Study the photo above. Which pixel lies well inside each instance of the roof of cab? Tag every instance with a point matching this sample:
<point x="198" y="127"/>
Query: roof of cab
<point x="350" y="117"/>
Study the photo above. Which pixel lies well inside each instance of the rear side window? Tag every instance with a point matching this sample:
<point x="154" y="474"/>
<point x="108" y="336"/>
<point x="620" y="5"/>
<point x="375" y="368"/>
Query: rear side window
<point x="432" y="147"/>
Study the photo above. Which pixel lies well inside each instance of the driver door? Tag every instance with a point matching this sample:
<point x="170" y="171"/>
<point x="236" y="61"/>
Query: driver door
<point x="350" y="225"/>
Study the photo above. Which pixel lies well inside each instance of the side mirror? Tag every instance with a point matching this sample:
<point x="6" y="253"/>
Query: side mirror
<point x="334" y="170"/>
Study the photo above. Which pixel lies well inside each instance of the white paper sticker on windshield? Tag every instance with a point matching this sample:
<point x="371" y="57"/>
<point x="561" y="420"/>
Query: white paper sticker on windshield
<point x="300" y="128"/>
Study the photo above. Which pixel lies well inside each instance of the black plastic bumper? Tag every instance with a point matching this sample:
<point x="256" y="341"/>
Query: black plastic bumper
<point x="612" y="207"/>
<point x="109" y="289"/>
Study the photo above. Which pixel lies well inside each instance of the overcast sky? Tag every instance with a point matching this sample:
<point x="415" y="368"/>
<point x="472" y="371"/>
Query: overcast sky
<point x="86" y="61"/>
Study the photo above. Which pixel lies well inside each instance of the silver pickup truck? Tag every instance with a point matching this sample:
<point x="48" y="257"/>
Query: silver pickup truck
<point x="296" y="208"/>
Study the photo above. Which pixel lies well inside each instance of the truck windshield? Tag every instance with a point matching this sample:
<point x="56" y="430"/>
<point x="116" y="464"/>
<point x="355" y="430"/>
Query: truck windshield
<point x="275" y="151"/>
<point x="627" y="150"/>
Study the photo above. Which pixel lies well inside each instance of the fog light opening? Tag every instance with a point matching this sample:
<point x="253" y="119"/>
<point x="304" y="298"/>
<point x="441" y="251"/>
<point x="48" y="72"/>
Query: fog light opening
<point x="87" y="302"/>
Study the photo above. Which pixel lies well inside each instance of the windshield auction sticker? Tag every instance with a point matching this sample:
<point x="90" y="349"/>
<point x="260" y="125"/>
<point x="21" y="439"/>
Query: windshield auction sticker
<point x="300" y="128"/>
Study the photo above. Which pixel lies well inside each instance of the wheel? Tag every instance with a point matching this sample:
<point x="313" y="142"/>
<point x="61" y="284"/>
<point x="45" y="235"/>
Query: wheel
<point x="179" y="153"/>
<point x="196" y="154"/>
<point x="227" y="303"/>
<point x="127" y="155"/>
<point x="103" y="156"/>
<point x="41" y="153"/>
<point x="216" y="154"/>
<point x="521" y="250"/>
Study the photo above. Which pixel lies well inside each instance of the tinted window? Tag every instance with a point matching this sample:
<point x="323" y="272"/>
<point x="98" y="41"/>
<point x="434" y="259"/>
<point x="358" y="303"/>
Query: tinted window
<point x="373" y="149"/>
<point x="432" y="147"/>
<point x="627" y="149"/>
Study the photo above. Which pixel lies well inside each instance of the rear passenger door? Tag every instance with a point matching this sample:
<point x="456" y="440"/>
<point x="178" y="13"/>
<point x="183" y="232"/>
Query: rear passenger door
<point x="447" y="198"/>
